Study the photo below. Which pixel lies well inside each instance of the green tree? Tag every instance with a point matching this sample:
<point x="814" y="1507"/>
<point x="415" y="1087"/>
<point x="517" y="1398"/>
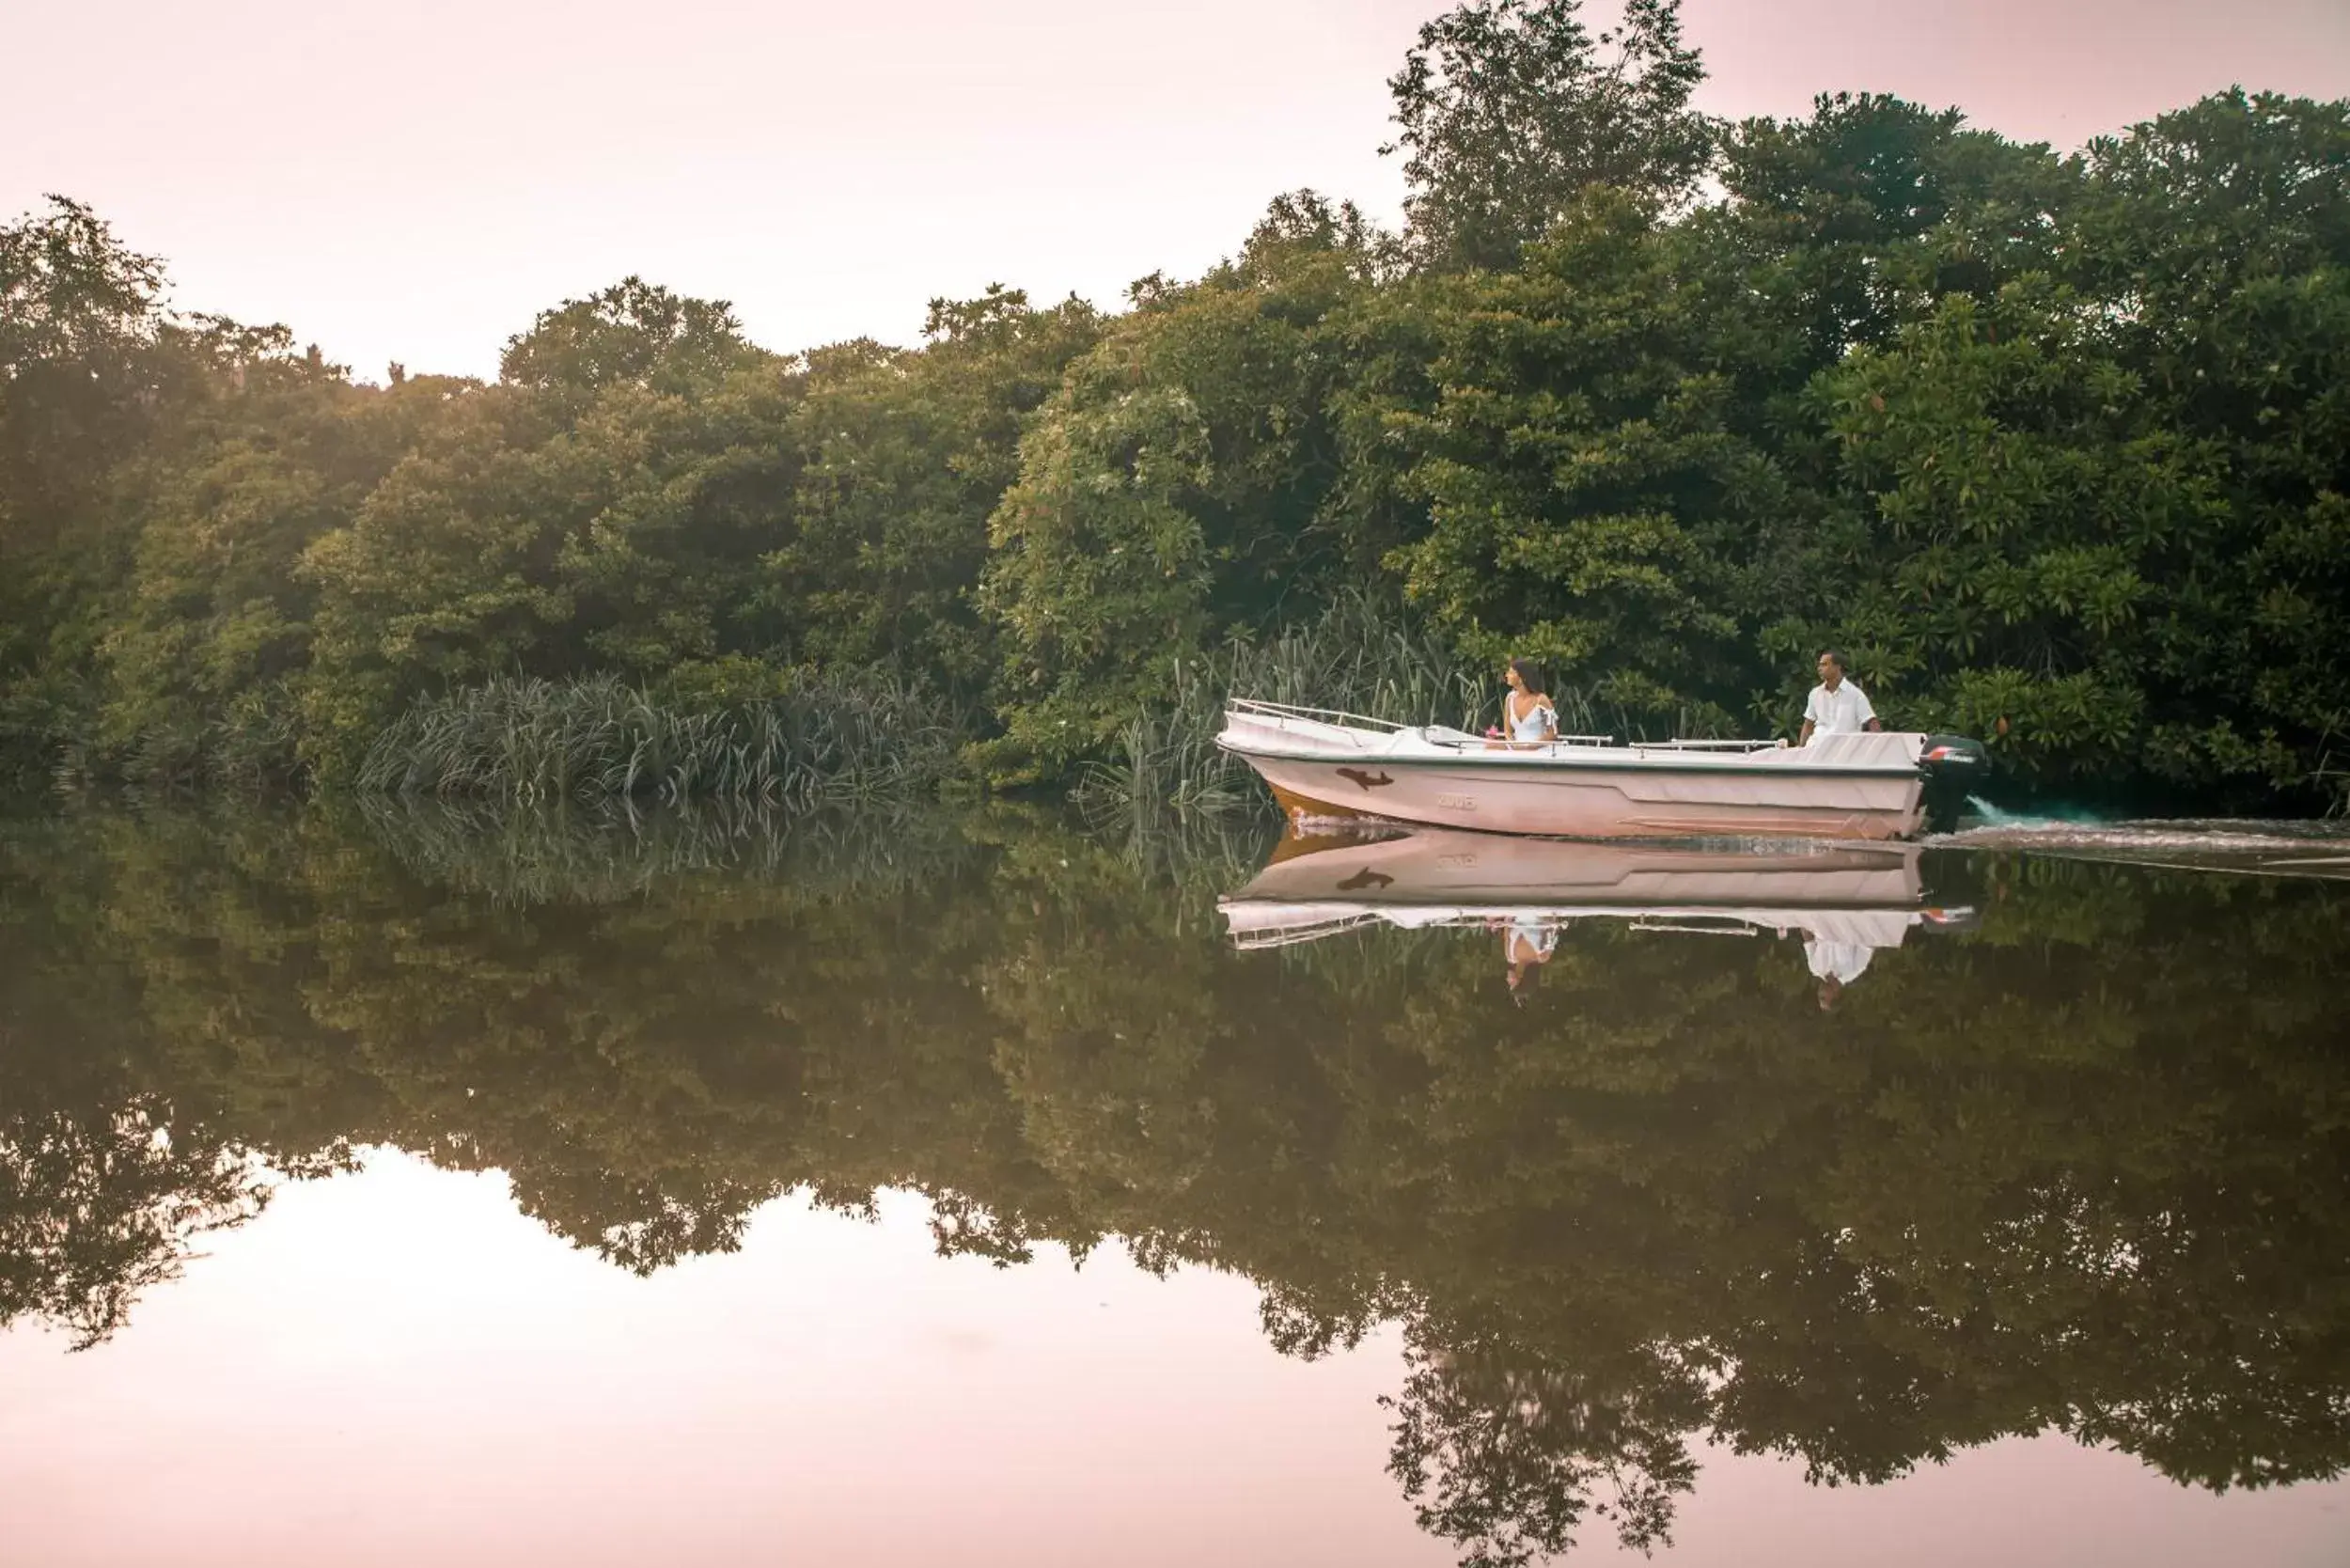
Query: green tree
<point x="447" y="571"/>
<point x="2097" y="509"/>
<point x="204" y="659"/>
<point x="2218" y="238"/>
<point x="1509" y="109"/>
<point x="1865" y="213"/>
<point x="82" y="321"/>
<point x="2018" y="505"/>
<point x="604" y="507"/>
<point x="1592" y="499"/>
<point x="1182" y="485"/>
<point x="634" y="334"/>
<point x="907" y="454"/>
<point x="678" y="498"/>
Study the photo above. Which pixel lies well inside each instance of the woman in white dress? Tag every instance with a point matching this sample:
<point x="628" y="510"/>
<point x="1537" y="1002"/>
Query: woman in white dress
<point x="1527" y="716"/>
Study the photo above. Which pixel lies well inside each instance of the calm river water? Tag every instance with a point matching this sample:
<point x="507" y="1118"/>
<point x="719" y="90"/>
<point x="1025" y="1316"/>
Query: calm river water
<point x="427" y="1187"/>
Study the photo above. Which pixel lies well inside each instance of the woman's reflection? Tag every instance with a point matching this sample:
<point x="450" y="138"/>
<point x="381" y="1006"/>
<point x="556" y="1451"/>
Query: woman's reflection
<point x="1527" y="942"/>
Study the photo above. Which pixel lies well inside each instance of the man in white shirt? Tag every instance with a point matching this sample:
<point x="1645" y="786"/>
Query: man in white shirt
<point x="1838" y="706"/>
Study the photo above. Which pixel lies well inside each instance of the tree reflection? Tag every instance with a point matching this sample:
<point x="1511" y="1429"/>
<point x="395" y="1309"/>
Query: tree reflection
<point x="1505" y="1453"/>
<point x="95" y="1208"/>
<point x="2081" y="1170"/>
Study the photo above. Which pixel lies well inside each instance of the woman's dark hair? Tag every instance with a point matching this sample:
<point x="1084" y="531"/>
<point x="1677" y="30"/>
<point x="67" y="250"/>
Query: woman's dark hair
<point x="1531" y="673"/>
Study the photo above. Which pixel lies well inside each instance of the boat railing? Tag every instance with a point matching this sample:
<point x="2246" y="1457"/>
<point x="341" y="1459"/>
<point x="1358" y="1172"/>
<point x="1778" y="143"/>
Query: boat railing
<point x="1436" y="734"/>
<point x="1694" y="922"/>
<point x="1710" y="746"/>
<point x="1314" y="931"/>
<point x="1725" y="925"/>
<point x="1318" y="716"/>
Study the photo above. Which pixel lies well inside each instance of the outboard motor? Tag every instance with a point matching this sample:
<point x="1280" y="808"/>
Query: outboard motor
<point x="1955" y="767"/>
<point x="1949" y="919"/>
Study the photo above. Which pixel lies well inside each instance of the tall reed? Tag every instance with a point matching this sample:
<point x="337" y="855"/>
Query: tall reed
<point x="821" y="739"/>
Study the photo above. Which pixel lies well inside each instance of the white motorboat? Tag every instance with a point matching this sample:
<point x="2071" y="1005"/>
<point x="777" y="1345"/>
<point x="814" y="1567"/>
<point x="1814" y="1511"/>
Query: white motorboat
<point x="1861" y="786"/>
<point x="1857" y="896"/>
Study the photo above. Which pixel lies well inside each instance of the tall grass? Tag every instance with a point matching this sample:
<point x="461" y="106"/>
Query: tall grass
<point x="818" y="740"/>
<point x="1361" y="656"/>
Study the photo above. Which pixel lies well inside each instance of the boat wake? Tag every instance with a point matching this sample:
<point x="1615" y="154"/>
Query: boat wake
<point x="2319" y="849"/>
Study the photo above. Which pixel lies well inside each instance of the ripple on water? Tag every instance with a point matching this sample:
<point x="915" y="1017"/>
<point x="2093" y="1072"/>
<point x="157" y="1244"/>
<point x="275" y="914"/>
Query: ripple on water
<point x="2273" y="848"/>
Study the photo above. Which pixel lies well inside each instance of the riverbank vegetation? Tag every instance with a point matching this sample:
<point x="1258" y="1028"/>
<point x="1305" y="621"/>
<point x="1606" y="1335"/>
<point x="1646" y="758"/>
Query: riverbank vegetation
<point x="796" y="739"/>
<point x="2056" y="446"/>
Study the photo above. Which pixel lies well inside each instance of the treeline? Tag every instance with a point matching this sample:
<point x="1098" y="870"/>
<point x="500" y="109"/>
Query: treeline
<point x="2057" y="447"/>
<point x="2080" y="1170"/>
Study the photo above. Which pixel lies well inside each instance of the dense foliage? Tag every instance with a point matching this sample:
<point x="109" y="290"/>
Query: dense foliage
<point x="2057" y="446"/>
<point x="2080" y="1170"/>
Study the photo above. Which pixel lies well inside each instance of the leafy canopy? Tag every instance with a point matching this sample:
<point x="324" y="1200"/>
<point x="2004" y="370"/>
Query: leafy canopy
<point x="1508" y="109"/>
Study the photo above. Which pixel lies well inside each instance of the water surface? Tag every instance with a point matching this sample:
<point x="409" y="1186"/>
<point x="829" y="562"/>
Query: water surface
<point x="982" y="1190"/>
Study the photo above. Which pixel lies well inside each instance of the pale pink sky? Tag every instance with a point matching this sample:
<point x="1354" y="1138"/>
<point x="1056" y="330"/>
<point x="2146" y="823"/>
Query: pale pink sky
<point x="415" y="182"/>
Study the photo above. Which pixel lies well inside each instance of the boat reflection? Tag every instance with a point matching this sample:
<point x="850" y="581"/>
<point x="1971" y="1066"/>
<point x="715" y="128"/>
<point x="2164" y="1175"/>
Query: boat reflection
<point x="1847" y="901"/>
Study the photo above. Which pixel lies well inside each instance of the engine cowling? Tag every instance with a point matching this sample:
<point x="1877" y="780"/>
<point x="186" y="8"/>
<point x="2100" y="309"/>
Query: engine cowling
<point x="1955" y="766"/>
<point x="1957" y="752"/>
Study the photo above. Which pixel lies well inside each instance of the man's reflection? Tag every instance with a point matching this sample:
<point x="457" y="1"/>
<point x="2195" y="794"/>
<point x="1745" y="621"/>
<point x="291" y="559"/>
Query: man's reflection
<point x="1836" y="964"/>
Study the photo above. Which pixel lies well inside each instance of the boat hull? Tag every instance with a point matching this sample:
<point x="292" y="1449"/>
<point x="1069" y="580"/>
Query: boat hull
<point x="1863" y="894"/>
<point x="1594" y="800"/>
<point x="1435" y="865"/>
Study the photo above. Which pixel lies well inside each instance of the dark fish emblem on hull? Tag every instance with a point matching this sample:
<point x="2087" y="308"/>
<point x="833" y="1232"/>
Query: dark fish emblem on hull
<point x="1365" y="878"/>
<point x="1368" y="780"/>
